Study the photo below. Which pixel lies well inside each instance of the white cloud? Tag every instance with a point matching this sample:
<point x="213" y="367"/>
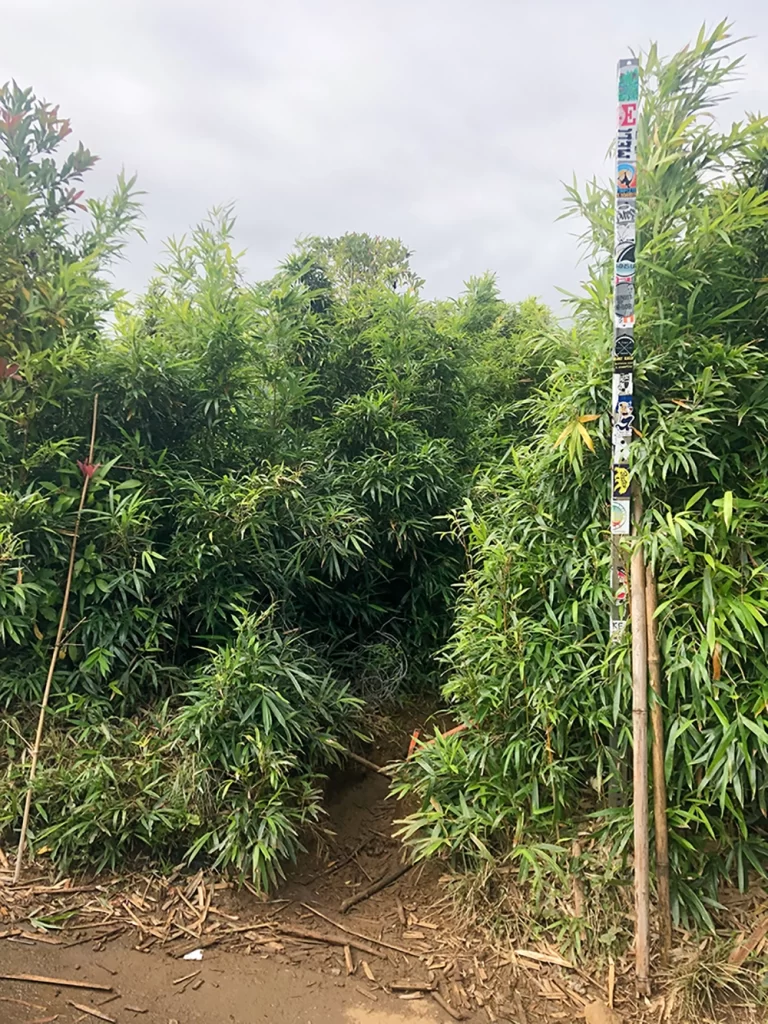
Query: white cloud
<point x="447" y="123"/>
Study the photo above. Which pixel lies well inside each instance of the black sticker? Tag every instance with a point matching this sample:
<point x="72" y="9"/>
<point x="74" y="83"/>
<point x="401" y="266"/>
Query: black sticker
<point x="624" y="345"/>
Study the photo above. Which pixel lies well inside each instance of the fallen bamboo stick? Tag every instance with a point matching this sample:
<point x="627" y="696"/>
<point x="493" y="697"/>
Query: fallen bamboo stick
<point x="56" y="890"/>
<point x="411" y="986"/>
<point x="447" y="1006"/>
<point x="661" y="830"/>
<point x="344" y="860"/>
<point x="350" y="963"/>
<point x="333" y="940"/>
<point x="366" y="763"/>
<point x="41" y="979"/>
<point x="366" y="938"/>
<point x="640" y="752"/>
<point x="376" y="887"/>
<point x="21" y="1002"/>
<point x="92" y="1011"/>
<point x="87" y="474"/>
<point x="187" y="977"/>
<point x="522" y="1016"/>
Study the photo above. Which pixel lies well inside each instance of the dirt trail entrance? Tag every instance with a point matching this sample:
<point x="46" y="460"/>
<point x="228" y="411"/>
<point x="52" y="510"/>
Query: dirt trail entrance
<point x="256" y="965"/>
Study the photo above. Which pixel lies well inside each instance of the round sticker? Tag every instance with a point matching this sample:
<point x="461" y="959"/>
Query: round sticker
<point x="619" y="516"/>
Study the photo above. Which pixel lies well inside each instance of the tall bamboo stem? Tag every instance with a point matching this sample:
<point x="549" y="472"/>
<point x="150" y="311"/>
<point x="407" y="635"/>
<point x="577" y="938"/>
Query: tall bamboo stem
<point x="640" y="753"/>
<point x="54" y="653"/>
<point x="661" y="833"/>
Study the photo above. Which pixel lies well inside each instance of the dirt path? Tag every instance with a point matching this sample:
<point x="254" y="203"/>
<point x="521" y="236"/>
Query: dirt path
<point x="284" y="980"/>
<point x="236" y="989"/>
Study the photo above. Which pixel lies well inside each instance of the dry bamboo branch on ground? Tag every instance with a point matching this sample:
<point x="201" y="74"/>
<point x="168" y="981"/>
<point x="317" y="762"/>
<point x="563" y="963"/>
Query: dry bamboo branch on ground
<point x="333" y="940"/>
<point x="41" y="979"/>
<point x="382" y="883"/>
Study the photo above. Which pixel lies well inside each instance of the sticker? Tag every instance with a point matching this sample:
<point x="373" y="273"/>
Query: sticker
<point x="617" y="627"/>
<point x="621" y="481"/>
<point x="627" y="115"/>
<point x="625" y="259"/>
<point x="622" y="364"/>
<point x="624" y="344"/>
<point x="625" y="323"/>
<point x="621" y="592"/>
<point x="624" y="298"/>
<point x="623" y="384"/>
<point x="625" y="144"/>
<point x="629" y="84"/>
<point x="620" y="516"/>
<point x="624" y="415"/>
<point x="621" y="449"/>
<point x="625" y="233"/>
<point x="626" y="179"/>
<point x="626" y="212"/>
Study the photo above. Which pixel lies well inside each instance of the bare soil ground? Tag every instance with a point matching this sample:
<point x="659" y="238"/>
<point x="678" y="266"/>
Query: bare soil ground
<point x="247" y="975"/>
<point x="129" y="936"/>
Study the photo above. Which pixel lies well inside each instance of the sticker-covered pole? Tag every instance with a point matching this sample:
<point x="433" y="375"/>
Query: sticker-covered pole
<point x="625" y="492"/>
<point x="624" y="332"/>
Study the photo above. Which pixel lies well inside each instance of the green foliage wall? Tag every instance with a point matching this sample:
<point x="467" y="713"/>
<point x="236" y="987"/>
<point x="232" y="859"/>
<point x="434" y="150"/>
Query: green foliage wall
<point x="284" y="449"/>
<point x="546" y="696"/>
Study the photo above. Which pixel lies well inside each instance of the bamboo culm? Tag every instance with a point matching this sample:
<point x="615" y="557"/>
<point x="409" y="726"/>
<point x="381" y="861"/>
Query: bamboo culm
<point x="660" y="828"/>
<point x="640" y="752"/>
<point x="55" y="652"/>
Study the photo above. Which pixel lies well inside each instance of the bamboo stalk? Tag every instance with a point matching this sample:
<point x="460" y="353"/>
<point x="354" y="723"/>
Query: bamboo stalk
<point x="55" y="652"/>
<point x="377" y="886"/>
<point x="661" y="832"/>
<point x="640" y="752"/>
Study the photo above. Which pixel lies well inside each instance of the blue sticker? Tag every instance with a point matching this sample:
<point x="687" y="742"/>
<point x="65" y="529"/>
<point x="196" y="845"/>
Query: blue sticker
<point x="626" y="179"/>
<point x="624" y="414"/>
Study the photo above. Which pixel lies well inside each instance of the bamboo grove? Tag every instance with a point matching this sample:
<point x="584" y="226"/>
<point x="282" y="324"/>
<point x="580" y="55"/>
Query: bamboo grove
<point x="317" y="495"/>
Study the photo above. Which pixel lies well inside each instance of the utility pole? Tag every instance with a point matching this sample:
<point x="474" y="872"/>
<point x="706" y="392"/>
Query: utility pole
<point x="625" y="492"/>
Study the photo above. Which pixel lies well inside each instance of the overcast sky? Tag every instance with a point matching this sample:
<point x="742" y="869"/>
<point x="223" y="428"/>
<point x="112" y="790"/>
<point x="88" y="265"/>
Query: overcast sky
<point x="448" y="123"/>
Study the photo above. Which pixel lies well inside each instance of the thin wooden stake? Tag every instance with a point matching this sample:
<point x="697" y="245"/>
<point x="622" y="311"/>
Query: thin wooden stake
<point x="640" y="752"/>
<point x="661" y="832"/>
<point x="55" y="652"/>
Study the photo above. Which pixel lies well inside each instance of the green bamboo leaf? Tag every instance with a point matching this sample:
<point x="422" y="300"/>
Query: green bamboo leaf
<point x="728" y="508"/>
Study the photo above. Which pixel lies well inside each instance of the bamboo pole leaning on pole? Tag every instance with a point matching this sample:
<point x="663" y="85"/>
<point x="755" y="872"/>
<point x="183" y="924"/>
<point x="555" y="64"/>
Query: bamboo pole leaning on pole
<point x="640" y="750"/>
<point x="88" y="469"/>
<point x="661" y="833"/>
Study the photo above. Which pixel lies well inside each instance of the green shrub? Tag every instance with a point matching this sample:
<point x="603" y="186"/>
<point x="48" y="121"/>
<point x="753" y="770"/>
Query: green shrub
<point x="530" y="666"/>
